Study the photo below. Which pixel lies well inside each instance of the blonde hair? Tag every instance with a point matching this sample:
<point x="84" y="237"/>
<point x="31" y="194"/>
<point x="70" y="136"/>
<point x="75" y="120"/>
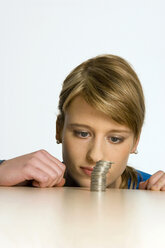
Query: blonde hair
<point x="109" y="84"/>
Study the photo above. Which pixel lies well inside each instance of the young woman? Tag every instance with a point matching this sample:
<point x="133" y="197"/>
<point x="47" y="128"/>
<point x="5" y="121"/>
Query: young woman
<point x="101" y="113"/>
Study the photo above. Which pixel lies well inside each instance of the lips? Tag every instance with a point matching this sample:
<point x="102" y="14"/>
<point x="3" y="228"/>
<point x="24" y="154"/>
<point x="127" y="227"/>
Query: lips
<point x="87" y="170"/>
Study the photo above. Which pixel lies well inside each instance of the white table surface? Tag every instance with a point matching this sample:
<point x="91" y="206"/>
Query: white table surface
<point x="77" y="218"/>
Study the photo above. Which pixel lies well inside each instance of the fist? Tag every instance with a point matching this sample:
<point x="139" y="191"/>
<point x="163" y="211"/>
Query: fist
<point x="39" y="167"/>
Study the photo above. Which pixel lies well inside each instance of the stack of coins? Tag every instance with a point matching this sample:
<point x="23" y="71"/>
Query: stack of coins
<point x="98" y="176"/>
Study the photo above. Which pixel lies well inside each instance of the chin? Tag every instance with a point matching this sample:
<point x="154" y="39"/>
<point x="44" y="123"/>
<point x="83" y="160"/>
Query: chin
<point x="84" y="183"/>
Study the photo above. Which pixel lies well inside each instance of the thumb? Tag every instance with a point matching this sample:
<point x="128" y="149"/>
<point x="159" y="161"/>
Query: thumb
<point x="61" y="183"/>
<point x="143" y="185"/>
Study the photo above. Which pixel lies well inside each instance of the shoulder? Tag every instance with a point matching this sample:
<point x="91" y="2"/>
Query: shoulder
<point x="144" y="176"/>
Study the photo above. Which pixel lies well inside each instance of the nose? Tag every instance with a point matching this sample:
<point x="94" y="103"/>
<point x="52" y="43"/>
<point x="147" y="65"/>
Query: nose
<point x="95" y="151"/>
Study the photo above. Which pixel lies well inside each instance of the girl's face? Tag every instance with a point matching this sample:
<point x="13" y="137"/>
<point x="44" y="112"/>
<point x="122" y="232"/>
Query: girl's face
<point x="89" y="136"/>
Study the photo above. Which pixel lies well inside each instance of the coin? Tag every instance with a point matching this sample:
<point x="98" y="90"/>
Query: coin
<point x="98" y="175"/>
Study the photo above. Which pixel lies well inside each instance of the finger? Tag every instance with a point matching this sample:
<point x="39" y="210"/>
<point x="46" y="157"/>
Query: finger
<point x="162" y="188"/>
<point x="39" y="185"/>
<point x="37" y="175"/>
<point x="154" y="178"/>
<point x="159" y="184"/>
<point x="61" y="183"/>
<point x="56" y="181"/>
<point x="52" y="164"/>
<point x="143" y="185"/>
<point x="60" y="170"/>
<point x="36" y="184"/>
<point x="53" y="159"/>
<point x="53" y="173"/>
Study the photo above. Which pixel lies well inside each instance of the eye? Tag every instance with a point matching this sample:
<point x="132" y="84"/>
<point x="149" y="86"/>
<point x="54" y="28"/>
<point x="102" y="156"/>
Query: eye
<point x="115" y="140"/>
<point x="81" y="134"/>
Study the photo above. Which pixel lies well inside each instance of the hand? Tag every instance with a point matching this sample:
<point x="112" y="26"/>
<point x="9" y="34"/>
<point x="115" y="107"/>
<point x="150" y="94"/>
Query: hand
<point x="41" y="167"/>
<point x="155" y="182"/>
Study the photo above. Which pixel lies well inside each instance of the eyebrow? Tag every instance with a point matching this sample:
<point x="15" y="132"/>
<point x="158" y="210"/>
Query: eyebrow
<point x="72" y="125"/>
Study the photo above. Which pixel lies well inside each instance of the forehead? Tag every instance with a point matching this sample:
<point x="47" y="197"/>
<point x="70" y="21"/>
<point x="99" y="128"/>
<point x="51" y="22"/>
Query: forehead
<point x="79" y="109"/>
<point x="80" y="112"/>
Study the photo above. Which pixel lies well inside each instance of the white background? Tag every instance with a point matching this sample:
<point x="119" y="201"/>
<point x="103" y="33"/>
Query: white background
<point x="41" y="41"/>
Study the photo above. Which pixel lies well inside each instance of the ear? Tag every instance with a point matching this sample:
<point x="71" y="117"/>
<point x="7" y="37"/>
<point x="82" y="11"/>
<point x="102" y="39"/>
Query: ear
<point x="59" y="128"/>
<point x="134" y="148"/>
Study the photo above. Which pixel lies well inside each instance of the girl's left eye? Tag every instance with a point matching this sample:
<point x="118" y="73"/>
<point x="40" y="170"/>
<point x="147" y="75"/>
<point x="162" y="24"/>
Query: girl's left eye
<point x="81" y="134"/>
<point x="115" y="140"/>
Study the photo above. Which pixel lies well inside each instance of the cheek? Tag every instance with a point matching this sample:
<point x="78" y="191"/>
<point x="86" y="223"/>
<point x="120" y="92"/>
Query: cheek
<point x="122" y="155"/>
<point x="125" y="154"/>
<point x="120" y="162"/>
<point x="72" y="150"/>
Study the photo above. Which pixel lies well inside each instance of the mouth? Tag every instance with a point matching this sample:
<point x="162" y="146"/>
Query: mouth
<point x="87" y="170"/>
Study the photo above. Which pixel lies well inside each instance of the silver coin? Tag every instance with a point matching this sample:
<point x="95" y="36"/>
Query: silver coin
<point x="98" y="175"/>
